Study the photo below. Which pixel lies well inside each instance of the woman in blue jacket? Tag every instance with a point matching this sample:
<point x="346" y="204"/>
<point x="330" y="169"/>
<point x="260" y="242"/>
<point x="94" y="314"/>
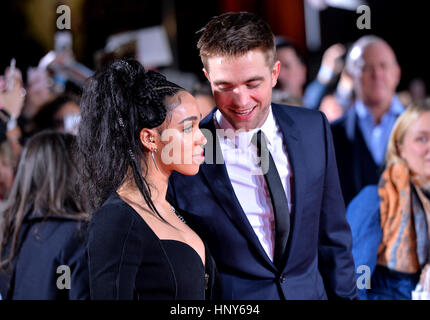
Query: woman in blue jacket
<point x="390" y="221"/>
<point x="42" y="251"/>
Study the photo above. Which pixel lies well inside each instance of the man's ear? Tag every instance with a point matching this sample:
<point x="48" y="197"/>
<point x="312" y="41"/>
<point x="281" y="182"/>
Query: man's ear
<point x="397" y="75"/>
<point x="275" y="72"/>
<point x="148" y="138"/>
<point x="206" y="74"/>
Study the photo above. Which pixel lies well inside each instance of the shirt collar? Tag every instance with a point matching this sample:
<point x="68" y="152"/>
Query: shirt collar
<point x="396" y="108"/>
<point x="269" y="128"/>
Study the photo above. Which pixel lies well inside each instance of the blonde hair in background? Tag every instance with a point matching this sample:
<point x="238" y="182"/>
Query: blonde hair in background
<point x="402" y="124"/>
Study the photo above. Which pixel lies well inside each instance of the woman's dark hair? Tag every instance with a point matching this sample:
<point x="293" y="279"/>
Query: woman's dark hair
<point x="117" y="103"/>
<point x="46" y="184"/>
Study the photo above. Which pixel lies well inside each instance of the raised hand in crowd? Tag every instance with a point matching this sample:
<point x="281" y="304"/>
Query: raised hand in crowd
<point x="331" y="64"/>
<point x="12" y="95"/>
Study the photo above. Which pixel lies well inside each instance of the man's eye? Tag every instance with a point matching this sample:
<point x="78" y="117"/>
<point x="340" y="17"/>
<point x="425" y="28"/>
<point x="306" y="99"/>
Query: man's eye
<point x="253" y="85"/>
<point x="224" y="88"/>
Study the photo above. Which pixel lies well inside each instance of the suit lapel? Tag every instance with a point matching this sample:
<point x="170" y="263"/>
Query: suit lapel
<point x="215" y="172"/>
<point x="297" y="160"/>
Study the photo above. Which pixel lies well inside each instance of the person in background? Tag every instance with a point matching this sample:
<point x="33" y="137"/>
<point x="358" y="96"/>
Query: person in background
<point x="62" y="114"/>
<point x="389" y="221"/>
<point x="40" y="91"/>
<point x="361" y="135"/>
<point x="7" y="169"/>
<point x="292" y="75"/>
<point x="203" y="94"/>
<point x="12" y="98"/>
<point x="42" y="226"/>
<point x="416" y="92"/>
<point x="331" y="66"/>
<point x="335" y="104"/>
<point x="290" y="88"/>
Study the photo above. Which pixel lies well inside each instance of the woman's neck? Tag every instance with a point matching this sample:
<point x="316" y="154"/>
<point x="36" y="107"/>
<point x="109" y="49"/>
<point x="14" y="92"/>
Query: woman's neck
<point x="158" y="183"/>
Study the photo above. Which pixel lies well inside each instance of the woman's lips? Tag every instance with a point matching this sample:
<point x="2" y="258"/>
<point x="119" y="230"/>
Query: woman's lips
<point x="200" y="155"/>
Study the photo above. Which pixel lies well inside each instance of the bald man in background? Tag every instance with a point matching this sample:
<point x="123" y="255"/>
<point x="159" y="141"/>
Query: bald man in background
<point x="361" y="136"/>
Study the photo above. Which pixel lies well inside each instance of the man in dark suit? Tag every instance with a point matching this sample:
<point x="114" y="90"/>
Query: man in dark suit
<point x="267" y="200"/>
<point x="361" y="136"/>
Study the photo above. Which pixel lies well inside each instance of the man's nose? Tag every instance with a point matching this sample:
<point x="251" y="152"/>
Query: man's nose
<point x="241" y="97"/>
<point x="378" y="72"/>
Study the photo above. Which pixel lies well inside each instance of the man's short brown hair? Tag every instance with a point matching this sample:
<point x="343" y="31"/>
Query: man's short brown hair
<point x="235" y="33"/>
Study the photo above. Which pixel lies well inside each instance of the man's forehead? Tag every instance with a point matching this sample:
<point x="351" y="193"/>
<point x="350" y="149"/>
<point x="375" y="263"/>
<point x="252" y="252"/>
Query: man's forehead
<point x="379" y="50"/>
<point x="247" y="57"/>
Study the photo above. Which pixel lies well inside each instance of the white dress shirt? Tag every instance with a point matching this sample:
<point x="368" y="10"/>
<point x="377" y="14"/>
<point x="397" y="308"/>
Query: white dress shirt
<point x="249" y="185"/>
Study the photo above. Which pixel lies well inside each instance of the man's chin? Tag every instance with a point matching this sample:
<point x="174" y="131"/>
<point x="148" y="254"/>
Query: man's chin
<point x="380" y="100"/>
<point x="244" y="125"/>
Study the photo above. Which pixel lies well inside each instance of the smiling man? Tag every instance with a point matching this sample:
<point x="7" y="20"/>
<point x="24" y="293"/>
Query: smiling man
<point x="282" y="233"/>
<point x="240" y="86"/>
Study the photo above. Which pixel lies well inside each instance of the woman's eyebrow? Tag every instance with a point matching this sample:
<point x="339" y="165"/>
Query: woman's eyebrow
<point x="424" y="131"/>
<point x="191" y="118"/>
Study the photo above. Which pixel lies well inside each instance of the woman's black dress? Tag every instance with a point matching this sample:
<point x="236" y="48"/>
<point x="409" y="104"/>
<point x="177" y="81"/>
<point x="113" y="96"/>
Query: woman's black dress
<point x="128" y="261"/>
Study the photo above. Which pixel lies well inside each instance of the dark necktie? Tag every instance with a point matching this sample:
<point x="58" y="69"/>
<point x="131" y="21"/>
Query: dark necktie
<point x="277" y="195"/>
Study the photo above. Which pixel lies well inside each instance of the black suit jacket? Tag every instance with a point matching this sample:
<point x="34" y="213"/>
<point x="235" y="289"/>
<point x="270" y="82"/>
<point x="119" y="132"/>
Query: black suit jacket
<point x="318" y="260"/>
<point x="357" y="168"/>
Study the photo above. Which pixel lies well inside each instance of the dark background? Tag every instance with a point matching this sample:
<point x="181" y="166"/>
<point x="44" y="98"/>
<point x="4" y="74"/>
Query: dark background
<point x="404" y="25"/>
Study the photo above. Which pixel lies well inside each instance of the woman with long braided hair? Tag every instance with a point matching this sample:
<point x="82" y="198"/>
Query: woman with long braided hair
<point x="136" y="129"/>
